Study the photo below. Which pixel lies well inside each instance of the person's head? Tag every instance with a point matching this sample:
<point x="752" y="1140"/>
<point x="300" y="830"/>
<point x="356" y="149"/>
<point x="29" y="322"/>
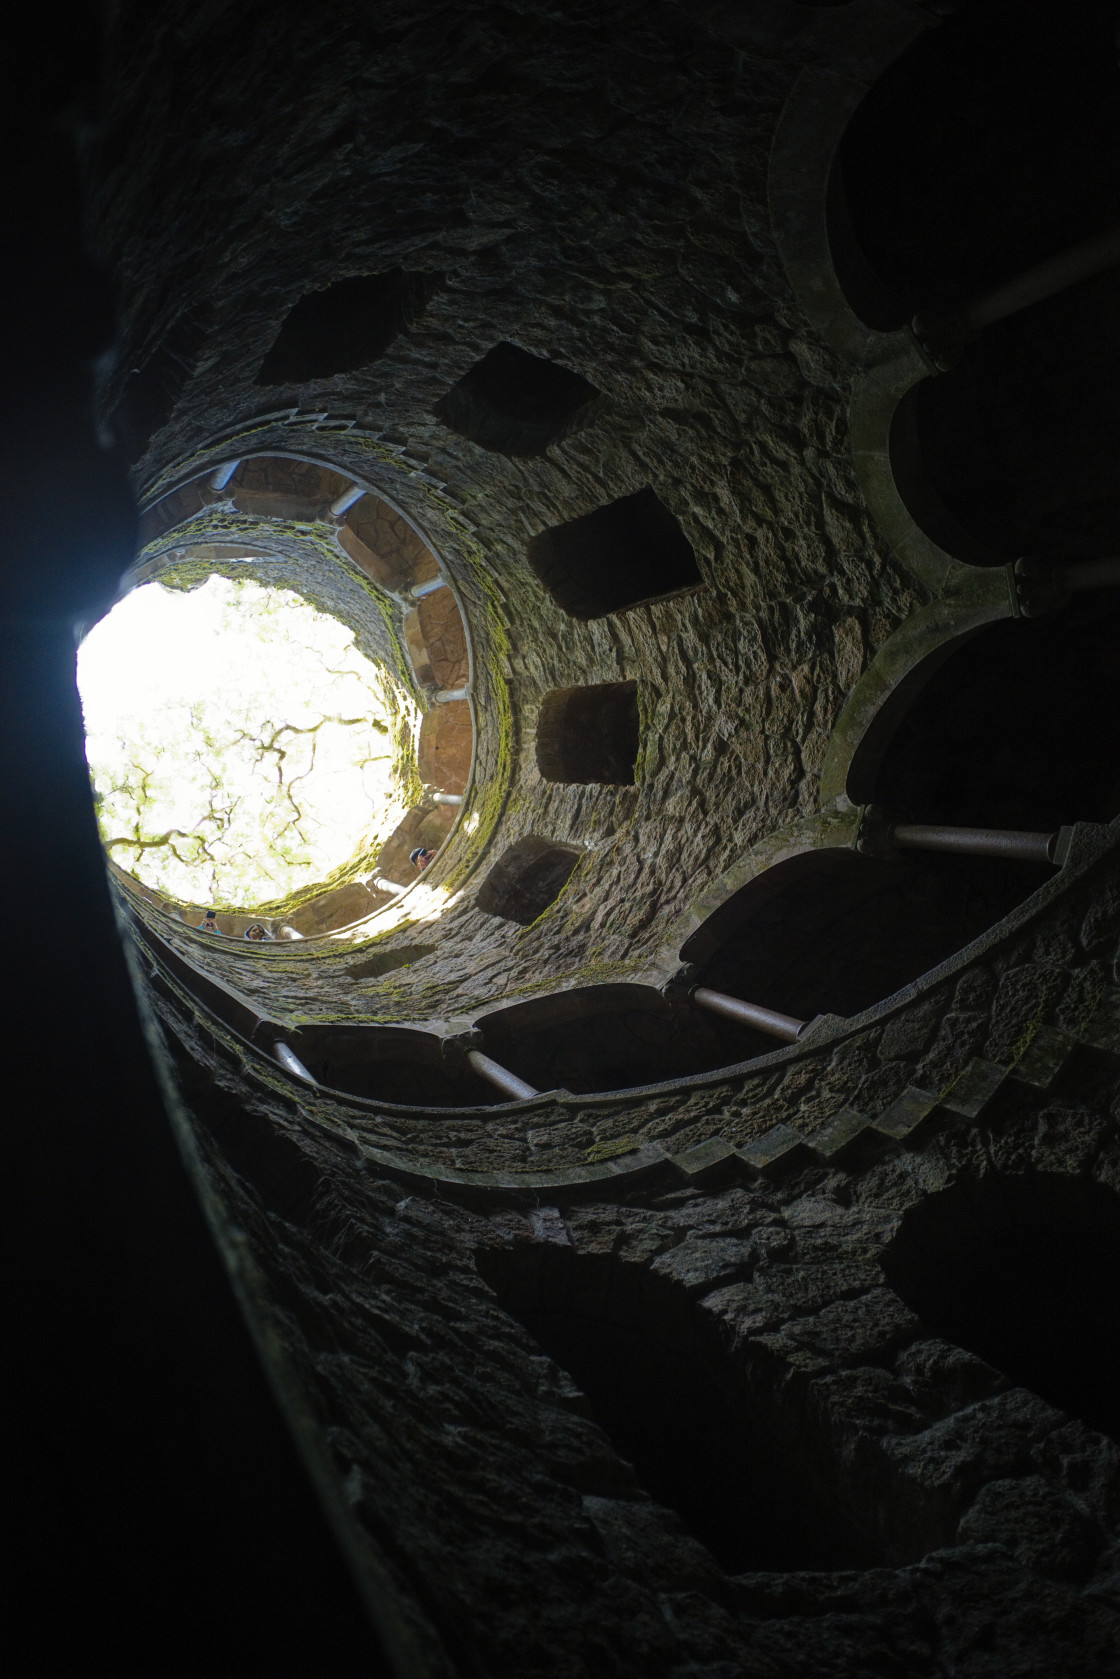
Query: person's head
<point x="256" y="932"/>
<point x="211" y="915"/>
<point x="421" y="857"/>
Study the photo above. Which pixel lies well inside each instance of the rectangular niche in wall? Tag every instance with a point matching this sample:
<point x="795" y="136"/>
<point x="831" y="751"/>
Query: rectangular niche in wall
<point x="589" y="734"/>
<point x="515" y="403"/>
<point x="628" y="552"/>
<point x="526" y="879"/>
<point x="346" y="326"/>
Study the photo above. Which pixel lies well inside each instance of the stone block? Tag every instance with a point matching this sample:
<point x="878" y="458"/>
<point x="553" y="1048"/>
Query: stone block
<point x="367" y="558"/>
<point x="702" y="1264"/>
<point x="402" y="555"/>
<point x="548" y="1226"/>
<point x="906" y="1113"/>
<point x="1103" y="1026"/>
<point x="446" y="742"/>
<point x="705" y="1159"/>
<point x="1044" y="1058"/>
<point x="970" y="1093"/>
<point x="837" y="1134"/>
<point x="417" y="648"/>
<point x="441" y="627"/>
<point x="781" y="1145"/>
<point x="335" y="909"/>
<point x="275" y="504"/>
<point x="1038" y="1523"/>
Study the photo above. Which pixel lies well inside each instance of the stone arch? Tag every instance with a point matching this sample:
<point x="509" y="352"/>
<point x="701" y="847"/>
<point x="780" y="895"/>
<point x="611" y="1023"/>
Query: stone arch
<point x="1015" y="729"/>
<point x="828" y="932"/>
<point x="446" y="746"/>
<point x="813" y="123"/>
<point x="673" y="1404"/>
<point x="279" y="487"/>
<point x="589" y="734"/>
<point x="606" y="1037"/>
<point x="1004" y="725"/>
<point x="436" y="638"/>
<point x="903" y="666"/>
<point x="923" y="534"/>
<point x="402" y="1066"/>
<point x="1021" y="1270"/>
<point x="387" y="545"/>
<point x="264" y="486"/>
<point x="1013" y="450"/>
<point x="1016" y="164"/>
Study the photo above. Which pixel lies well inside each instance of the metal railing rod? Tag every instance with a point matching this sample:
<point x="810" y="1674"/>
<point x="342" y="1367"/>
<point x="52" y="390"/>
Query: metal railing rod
<point x="500" y="1077"/>
<point x="343" y="503"/>
<point x="975" y="842"/>
<point x="750" y="1014"/>
<point x="1089" y="574"/>
<point x="221" y="476"/>
<point x="1044" y="279"/>
<point x="291" y="1063"/>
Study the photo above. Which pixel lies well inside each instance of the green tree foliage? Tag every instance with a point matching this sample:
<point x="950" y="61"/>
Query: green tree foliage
<point x="241" y="748"/>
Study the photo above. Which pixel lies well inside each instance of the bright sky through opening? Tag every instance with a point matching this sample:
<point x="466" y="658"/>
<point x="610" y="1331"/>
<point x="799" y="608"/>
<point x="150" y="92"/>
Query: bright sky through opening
<point x="240" y="746"/>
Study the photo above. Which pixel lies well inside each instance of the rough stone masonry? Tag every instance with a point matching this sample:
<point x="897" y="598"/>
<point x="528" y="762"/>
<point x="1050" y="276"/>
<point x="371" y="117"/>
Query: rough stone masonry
<point x="716" y="1357"/>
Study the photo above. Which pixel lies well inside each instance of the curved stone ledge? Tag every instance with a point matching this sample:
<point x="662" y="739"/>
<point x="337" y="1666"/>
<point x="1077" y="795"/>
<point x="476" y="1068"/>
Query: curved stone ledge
<point x="640" y="1124"/>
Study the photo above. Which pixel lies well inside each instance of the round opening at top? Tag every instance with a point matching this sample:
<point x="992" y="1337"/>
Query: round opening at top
<point x="243" y="752"/>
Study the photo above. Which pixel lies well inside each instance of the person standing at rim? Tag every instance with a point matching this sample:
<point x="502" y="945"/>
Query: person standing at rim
<point x="209" y="923"/>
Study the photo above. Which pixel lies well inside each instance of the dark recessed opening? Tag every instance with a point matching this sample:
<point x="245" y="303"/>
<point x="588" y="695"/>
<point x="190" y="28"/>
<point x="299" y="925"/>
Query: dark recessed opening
<point x="515" y="403"/>
<point x="526" y="879"/>
<point x="381" y="962"/>
<point x="612" y="1046"/>
<point x="630" y="551"/>
<point x="1021" y="440"/>
<point x="411" y="1083"/>
<point x="832" y="932"/>
<point x="991" y="143"/>
<point x="1020" y="728"/>
<point x="1025" y="1273"/>
<point x="671" y="1406"/>
<point x="871" y="296"/>
<point x="589" y="734"/>
<point x="365" y="1062"/>
<point x="939" y="506"/>
<point x="345" y="326"/>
